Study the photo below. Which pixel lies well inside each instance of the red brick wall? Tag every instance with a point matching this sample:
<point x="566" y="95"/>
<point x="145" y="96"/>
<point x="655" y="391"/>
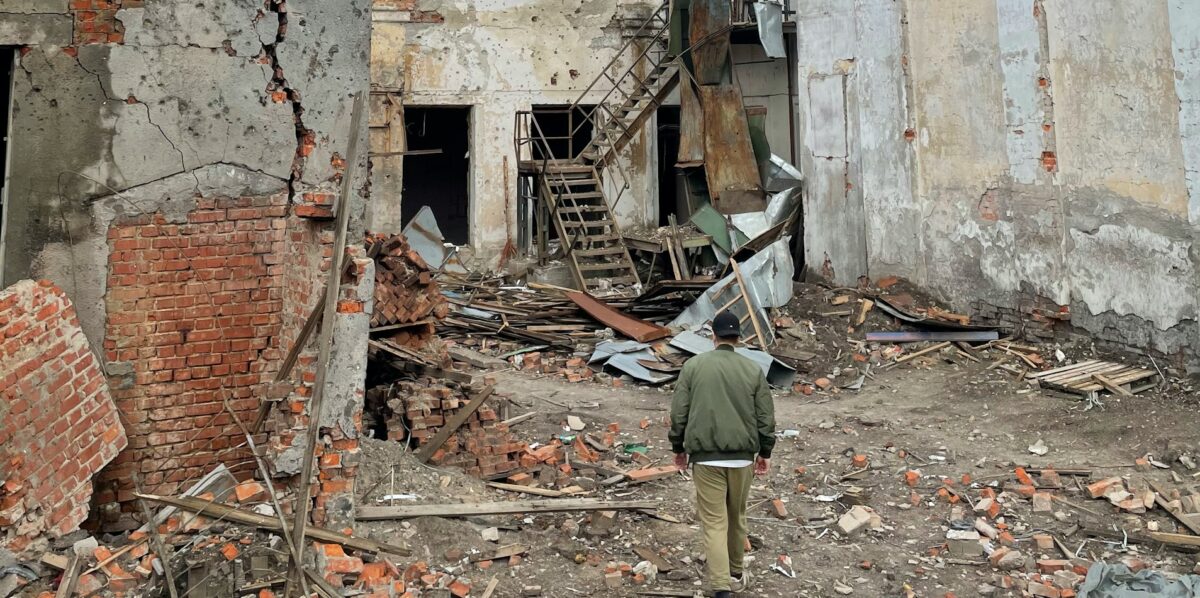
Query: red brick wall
<point x="96" y="20"/>
<point x="58" y="423"/>
<point x="194" y="317"/>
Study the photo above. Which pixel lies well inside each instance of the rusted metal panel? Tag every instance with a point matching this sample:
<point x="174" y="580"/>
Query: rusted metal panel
<point x="691" y="126"/>
<point x="636" y="329"/>
<point x="734" y="183"/>
<point x="709" y="34"/>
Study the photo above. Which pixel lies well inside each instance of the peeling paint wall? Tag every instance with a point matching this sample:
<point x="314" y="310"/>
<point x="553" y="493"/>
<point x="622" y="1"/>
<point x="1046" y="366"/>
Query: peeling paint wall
<point x="500" y="57"/>
<point x="197" y="99"/>
<point x="1024" y="152"/>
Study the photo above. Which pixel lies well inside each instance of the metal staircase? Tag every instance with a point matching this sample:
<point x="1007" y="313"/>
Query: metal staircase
<point x="578" y="191"/>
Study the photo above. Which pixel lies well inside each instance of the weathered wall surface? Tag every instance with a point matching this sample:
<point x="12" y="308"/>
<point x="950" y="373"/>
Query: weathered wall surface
<point x="501" y="57"/>
<point x="171" y="163"/>
<point x="1027" y="156"/>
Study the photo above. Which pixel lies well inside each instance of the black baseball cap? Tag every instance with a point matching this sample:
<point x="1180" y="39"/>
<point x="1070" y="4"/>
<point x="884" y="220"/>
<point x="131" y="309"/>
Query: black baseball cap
<point x="726" y="325"/>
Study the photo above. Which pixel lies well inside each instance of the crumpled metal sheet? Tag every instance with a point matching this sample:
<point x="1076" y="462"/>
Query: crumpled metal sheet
<point x="781" y="175"/>
<point x="770" y="27"/>
<point x="425" y="237"/>
<point x="778" y="374"/>
<point x="624" y="355"/>
<point x="768" y="273"/>
<point x="1117" y="581"/>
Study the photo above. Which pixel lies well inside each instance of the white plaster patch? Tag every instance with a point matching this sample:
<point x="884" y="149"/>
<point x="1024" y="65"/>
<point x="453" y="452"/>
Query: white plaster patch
<point x="1019" y="47"/>
<point x="1131" y="270"/>
<point x="1185" y="47"/>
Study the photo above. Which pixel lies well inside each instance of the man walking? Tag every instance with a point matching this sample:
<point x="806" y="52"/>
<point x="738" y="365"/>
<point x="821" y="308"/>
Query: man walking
<point x="723" y="419"/>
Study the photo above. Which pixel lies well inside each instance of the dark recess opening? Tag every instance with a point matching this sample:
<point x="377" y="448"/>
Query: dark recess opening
<point x="7" y="55"/>
<point x="669" y="197"/>
<point x="566" y="130"/>
<point x="440" y="181"/>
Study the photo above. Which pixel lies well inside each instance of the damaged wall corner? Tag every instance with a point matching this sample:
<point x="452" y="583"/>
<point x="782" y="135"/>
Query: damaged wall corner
<point x="58" y="423"/>
<point x="172" y="168"/>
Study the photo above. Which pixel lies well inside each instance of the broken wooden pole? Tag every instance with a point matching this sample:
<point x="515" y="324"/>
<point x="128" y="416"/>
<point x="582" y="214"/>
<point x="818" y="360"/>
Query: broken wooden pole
<point x="325" y="343"/>
<point x="502" y="508"/>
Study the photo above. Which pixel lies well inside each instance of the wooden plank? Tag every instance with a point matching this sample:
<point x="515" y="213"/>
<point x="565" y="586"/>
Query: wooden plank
<point x="547" y="492"/>
<point x="1083" y="372"/>
<point x="453" y="424"/>
<point x="691" y="125"/>
<point x="562" y="505"/>
<point x="228" y="513"/>
<point x="475" y="358"/>
<point x="503" y="552"/>
<point x="1085" y="376"/>
<point x="1175" y="539"/>
<point x="635" y="328"/>
<point x="734" y="183"/>
<point x="1162" y="502"/>
<point x="737" y="273"/>
<point x="491" y="587"/>
<point x="662" y="564"/>
<point x="70" y="578"/>
<point x="1113" y="388"/>
<point x="708" y="32"/>
<point x="925" y="351"/>
<point x="1065" y="368"/>
<point x="512" y="421"/>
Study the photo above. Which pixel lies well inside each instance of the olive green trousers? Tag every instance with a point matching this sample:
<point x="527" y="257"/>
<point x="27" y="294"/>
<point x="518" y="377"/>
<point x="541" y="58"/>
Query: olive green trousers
<point x="721" y="494"/>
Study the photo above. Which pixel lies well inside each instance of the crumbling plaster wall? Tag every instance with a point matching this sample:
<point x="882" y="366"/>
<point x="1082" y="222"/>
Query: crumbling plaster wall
<point x="1033" y="149"/>
<point x="501" y="57"/>
<point x="199" y="98"/>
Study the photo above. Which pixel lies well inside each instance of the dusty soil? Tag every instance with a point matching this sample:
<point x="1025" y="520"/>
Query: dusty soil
<point x="979" y="422"/>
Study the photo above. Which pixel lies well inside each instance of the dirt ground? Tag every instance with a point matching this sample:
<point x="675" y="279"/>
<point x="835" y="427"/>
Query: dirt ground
<point x="945" y="420"/>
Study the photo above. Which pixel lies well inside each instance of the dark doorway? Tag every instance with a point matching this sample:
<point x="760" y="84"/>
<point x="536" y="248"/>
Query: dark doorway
<point x="440" y="181"/>
<point x="668" y="175"/>
<point x="567" y="130"/>
<point x="7" y="64"/>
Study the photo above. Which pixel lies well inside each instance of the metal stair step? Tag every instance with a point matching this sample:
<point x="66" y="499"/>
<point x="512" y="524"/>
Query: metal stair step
<point x="572" y="169"/>
<point x="614" y="250"/>
<point x="584" y="210"/>
<point x="574" y="182"/>
<point x="586" y="224"/>
<point x="583" y="195"/>
<point x="612" y="279"/>
<point x="605" y="266"/>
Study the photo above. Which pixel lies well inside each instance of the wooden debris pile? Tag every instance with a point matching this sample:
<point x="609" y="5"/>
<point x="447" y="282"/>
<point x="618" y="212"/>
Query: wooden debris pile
<point x="408" y="301"/>
<point x="222" y="544"/>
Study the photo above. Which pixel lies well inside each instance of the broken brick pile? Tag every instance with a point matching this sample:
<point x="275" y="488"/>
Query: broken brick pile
<point x="405" y="292"/>
<point x="416" y="410"/>
<point x="573" y="369"/>
<point x="58" y="422"/>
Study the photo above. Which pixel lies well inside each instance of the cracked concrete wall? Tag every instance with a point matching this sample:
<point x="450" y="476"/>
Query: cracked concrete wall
<point x="500" y="57"/>
<point x="224" y="98"/>
<point x="1039" y="151"/>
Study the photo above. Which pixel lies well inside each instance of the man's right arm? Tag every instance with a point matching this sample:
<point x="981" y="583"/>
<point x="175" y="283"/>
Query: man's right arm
<point x="681" y="404"/>
<point x="764" y="415"/>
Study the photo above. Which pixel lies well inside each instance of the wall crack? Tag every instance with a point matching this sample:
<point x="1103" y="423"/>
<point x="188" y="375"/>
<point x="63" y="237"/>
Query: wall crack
<point x="282" y="91"/>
